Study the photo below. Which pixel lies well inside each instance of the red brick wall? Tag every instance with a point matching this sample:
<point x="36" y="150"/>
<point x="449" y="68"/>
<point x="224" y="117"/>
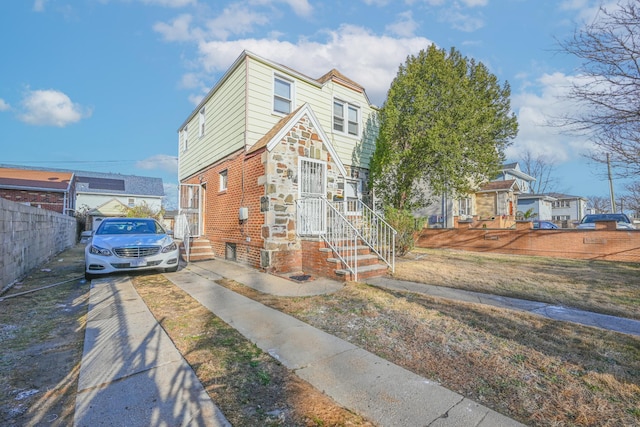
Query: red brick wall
<point x="44" y="199"/>
<point x="599" y="244"/>
<point x="221" y="208"/>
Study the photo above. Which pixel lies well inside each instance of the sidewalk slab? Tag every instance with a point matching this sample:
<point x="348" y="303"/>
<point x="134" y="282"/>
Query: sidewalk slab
<point x="565" y="314"/>
<point x="383" y="392"/>
<point x="131" y="373"/>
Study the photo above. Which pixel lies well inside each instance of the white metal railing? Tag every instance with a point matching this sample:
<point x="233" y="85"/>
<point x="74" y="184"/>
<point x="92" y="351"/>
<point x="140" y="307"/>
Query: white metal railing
<point x="339" y="234"/>
<point x="344" y="227"/>
<point x="183" y="231"/>
<point x="374" y="230"/>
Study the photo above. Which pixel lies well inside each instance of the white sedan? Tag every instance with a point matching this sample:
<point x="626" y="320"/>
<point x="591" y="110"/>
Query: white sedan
<point x="130" y="244"/>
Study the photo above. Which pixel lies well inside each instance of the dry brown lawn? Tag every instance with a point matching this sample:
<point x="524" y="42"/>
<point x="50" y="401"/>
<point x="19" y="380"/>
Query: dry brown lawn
<point x="538" y="371"/>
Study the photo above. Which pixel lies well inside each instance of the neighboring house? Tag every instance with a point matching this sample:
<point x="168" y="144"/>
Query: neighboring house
<point x="568" y="208"/>
<point x="88" y="191"/>
<point x="111" y="208"/>
<point x="94" y="189"/>
<point x="497" y="198"/>
<point x="51" y="190"/>
<point x="267" y="156"/>
<point x="495" y="203"/>
<point x="539" y="205"/>
<point x="512" y="171"/>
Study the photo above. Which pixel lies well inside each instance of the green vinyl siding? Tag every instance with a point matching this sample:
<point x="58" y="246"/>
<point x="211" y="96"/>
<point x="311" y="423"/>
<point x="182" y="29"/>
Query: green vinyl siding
<point x="224" y="126"/>
<point x="352" y="150"/>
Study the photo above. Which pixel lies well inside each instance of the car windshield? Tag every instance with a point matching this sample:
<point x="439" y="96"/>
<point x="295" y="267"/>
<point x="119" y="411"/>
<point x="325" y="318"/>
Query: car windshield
<point x="130" y="226"/>
<point x="605" y="217"/>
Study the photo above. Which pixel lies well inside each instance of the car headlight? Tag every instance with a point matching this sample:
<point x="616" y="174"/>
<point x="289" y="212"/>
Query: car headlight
<point x="170" y="248"/>
<point x="95" y="250"/>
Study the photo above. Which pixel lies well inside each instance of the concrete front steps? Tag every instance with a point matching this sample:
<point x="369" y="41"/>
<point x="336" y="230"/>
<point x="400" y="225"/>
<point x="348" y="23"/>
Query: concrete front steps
<point x="369" y="265"/>
<point x="199" y="249"/>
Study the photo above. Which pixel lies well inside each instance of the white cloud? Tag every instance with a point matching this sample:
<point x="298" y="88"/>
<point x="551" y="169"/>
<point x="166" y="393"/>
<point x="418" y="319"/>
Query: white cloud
<point x="38" y="5"/>
<point x="4" y="106"/>
<point x="162" y="162"/>
<point x="475" y="3"/>
<point x="300" y="7"/>
<point x="51" y="108"/>
<point x="170" y="3"/>
<point x="462" y="21"/>
<point x="537" y="109"/>
<point x="404" y="26"/>
<point x="346" y="49"/>
<point x="178" y="30"/>
<point x="235" y="19"/>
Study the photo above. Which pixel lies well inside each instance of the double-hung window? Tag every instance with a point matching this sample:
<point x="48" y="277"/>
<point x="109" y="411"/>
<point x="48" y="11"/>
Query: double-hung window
<point x="201" y="122"/>
<point x="464" y="207"/>
<point x="282" y="95"/>
<point x="346" y="118"/>
<point x="223" y="180"/>
<point x="184" y="144"/>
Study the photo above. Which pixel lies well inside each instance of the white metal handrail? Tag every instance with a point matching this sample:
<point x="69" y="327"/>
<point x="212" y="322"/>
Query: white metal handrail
<point x="376" y="233"/>
<point x="183" y="231"/>
<point x="339" y="234"/>
<point x="345" y="225"/>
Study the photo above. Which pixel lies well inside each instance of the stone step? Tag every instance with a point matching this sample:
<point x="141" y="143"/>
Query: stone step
<point x="366" y="272"/>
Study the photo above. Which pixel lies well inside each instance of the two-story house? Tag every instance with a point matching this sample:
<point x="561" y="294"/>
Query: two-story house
<point x="568" y="209"/>
<point x="270" y="162"/>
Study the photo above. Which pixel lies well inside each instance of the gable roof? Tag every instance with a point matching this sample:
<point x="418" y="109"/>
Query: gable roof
<point x="39" y="180"/>
<point x="111" y="183"/>
<point x="283" y="127"/>
<point x="112" y="207"/>
<point x="98" y="182"/>
<point x="493" y="186"/>
<point x="514" y="170"/>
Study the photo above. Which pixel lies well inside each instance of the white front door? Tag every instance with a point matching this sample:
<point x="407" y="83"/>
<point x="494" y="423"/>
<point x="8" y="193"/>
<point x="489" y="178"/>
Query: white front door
<point x="312" y="207"/>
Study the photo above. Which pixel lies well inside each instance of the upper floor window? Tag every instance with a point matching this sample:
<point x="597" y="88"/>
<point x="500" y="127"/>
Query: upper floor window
<point x="282" y="95"/>
<point x="184" y="143"/>
<point x="201" y="121"/>
<point x="223" y="180"/>
<point x="346" y="118"/>
<point x="561" y="204"/>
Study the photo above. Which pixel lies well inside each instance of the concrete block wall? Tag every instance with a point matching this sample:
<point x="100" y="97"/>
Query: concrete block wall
<point x="30" y="236"/>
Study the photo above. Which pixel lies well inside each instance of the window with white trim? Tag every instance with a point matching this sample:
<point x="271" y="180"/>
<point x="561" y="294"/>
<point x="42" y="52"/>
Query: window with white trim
<point x="346" y="117"/>
<point x="223" y="180"/>
<point x="201" y="122"/>
<point x="184" y="140"/>
<point x="131" y="202"/>
<point x="464" y="207"/>
<point x="282" y="95"/>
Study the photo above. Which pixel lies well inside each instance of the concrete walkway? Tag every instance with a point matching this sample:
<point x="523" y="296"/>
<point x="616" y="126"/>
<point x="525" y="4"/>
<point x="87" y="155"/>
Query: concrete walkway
<point x="132" y="374"/>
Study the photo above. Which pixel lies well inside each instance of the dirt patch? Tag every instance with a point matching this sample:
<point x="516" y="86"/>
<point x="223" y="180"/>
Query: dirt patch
<point x="41" y="336"/>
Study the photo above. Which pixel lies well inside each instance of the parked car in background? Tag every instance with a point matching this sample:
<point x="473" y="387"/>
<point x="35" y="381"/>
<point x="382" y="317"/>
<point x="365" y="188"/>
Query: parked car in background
<point x="623" y="222"/>
<point x="130" y="244"/>
<point x="544" y="225"/>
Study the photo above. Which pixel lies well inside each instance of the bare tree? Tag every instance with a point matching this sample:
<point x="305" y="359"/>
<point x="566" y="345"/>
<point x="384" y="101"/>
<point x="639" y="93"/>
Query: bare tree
<point x="631" y="198"/>
<point x="599" y="204"/>
<point x="542" y="169"/>
<point x="607" y="91"/>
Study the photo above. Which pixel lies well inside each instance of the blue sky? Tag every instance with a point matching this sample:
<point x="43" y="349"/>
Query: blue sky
<point x="103" y="85"/>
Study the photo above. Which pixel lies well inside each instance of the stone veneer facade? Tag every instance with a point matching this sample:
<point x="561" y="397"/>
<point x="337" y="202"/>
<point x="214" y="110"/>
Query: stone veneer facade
<point x="281" y="244"/>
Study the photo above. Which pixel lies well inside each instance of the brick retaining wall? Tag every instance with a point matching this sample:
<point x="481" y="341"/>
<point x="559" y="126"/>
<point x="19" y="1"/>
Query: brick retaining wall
<point x="30" y="236"/>
<point x="604" y="243"/>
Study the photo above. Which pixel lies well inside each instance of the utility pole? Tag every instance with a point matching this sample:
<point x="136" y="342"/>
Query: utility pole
<point x="613" y="200"/>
